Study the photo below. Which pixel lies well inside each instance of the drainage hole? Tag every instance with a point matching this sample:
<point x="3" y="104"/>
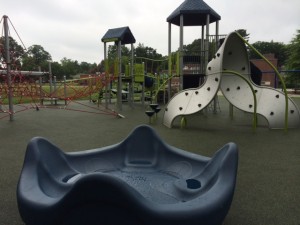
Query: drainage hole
<point x="193" y="184"/>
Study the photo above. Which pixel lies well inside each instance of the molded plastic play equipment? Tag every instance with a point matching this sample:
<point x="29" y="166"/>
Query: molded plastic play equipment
<point x="193" y="100"/>
<point x="270" y="102"/>
<point x="139" y="181"/>
<point x="231" y="66"/>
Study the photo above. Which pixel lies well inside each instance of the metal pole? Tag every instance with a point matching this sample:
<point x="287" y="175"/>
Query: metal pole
<point x="41" y="90"/>
<point x="106" y="77"/>
<point x="207" y="40"/>
<point x="90" y="86"/>
<point x="131" y="84"/>
<point x="65" y="89"/>
<point x="143" y="84"/>
<point x="119" y="91"/>
<point x="10" y="94"/>
<point x="202" y="51"/>
<point x="216" y="49"/>
<point x="217" y="35"/>
<point x="50" y="82"/>
<point x="169" y="64"/>
<point x="55" y="94"/>
<point x="181" y="53"/>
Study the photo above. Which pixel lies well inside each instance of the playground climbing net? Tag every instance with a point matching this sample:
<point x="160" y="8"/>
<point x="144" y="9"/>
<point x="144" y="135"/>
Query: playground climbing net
<point x="31" y="92"/>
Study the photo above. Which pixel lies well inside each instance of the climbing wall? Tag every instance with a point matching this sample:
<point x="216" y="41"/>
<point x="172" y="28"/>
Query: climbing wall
<point x="192" y="100"/>
<point x="239" y="90"/>
<point x="270" y="102"/>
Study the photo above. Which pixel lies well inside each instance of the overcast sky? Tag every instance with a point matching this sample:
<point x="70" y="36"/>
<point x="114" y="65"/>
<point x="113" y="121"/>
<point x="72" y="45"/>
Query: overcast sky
<point x="74" y="28"/>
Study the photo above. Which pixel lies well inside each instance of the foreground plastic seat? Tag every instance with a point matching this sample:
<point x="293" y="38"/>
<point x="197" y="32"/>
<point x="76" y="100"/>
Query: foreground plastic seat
<point x="141" y="180"/>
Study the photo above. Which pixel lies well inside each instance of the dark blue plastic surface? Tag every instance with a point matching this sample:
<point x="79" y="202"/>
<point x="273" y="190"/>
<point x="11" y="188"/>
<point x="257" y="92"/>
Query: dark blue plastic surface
<point x="141" y="180"/>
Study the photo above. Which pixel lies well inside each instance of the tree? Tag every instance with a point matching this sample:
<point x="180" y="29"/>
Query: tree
<point x="195" y="46"/>
<point x="244" y="34"/>
<point x="293" y="61"/>
<point x="277" y="48"/>
<point x="35" y="57"/>
<point x="57" y="70"/>
<point x="16" y="52"/>
<point x="69" y="67"/>
<point x="148" y="55"/>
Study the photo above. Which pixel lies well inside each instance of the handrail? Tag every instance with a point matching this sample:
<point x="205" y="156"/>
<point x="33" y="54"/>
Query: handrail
<point x="277" y="73"/>
<point x="253" y="92"/>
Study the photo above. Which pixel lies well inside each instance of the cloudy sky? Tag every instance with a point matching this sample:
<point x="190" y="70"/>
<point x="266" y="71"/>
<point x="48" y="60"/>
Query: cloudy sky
<point x="74" y="28"/>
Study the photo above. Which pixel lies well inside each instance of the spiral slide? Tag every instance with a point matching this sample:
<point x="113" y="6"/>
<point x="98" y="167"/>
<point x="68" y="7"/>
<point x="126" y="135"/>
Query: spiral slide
<point x="230" y="72"/>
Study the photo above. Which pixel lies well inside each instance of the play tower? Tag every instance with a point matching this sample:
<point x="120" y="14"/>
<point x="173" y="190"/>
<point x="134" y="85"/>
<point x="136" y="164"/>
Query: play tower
<point x="192" y="65"/>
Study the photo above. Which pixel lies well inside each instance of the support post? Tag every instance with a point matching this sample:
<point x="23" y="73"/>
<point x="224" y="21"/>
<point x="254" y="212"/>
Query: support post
<point x="107" y="80"/>
<point x="9" y="83"/>
<point x="203" y="68"/>
<point x="207" y="40"/>
<point x="55" y="94"/>
<point x="169" y="63"/>
<point x="181" y="53"/>
<point x="41" y="90"/>
<point x="90" y="87"/>
<point x="65" y="90"/>
<point x="216" y="47"/>
<point x="131" y="83"/>
<point x="119" y="89"/>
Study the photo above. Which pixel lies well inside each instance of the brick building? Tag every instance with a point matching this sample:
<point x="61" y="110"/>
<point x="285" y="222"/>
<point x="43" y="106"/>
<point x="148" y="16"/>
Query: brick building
<point x="268" y="74"/>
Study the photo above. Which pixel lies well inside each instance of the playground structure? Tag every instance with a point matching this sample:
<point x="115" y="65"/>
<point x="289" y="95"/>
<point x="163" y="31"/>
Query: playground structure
<point x="29" y="90"/>
<point x="136" y="72"/>
<point x="226" y="68"/>
<point x="192" y="71"/>
<point x="194" y="13"/>
<point x="230" y="71"/>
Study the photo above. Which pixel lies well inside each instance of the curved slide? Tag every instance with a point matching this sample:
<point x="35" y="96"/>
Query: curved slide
<point x="192" y="100"/>
<point x="233" y="56"/>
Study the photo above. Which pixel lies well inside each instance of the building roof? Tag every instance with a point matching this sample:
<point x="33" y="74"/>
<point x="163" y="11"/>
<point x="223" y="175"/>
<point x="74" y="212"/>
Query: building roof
<point x="194" y="13"/>
<point x="122" y="34"/>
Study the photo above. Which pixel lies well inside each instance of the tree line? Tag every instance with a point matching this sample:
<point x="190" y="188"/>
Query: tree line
<point x="37" y="58"/>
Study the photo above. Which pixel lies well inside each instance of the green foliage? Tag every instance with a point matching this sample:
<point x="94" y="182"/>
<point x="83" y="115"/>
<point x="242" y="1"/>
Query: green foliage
<point x="195" y="46"/>
<point x="37" y="54"/>
<point x="293" y="62"/>
<point x="142" y="54"/>
<point x="244" y="34"/>
<point x="277" y="48"/>
<point x="16" y="52"/>
<point x="150" y="58"/>
<point x="37" y="57"/>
